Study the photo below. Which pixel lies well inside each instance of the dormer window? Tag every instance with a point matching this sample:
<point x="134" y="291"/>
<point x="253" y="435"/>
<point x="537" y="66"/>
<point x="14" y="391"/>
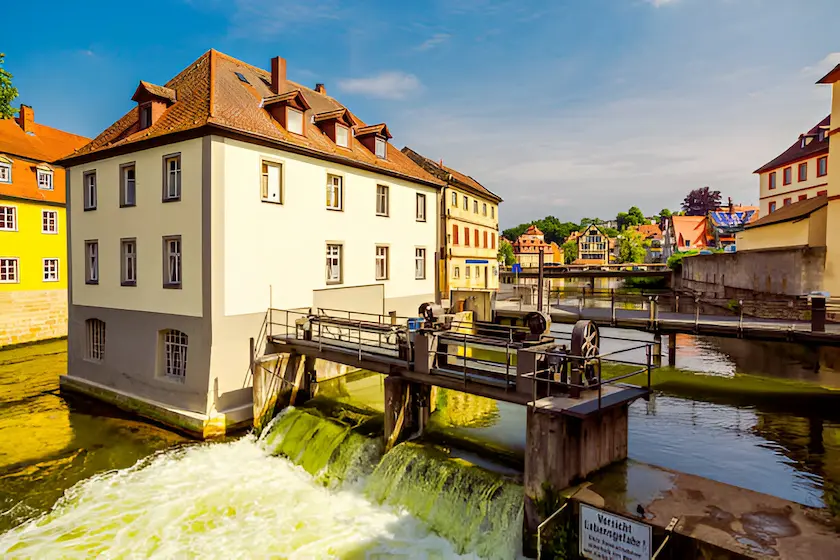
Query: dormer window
<point x="375" y="138"/>
<point x="294" y="120"/>
<point x="380" y="147"/>
<point x="5" y="169"/>
<point x="342" y="135"/>
<point x="45" y="176"/>
<point x="152" y="102"/>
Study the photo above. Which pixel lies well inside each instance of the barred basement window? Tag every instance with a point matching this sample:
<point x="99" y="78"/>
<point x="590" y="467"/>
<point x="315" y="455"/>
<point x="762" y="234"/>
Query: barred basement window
<point x="175" y="354"/>
<point x="95" y="348"/>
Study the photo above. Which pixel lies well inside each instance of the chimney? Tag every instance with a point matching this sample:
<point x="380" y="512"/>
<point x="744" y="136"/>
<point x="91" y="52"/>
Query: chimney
<point x="278" y="73"/>
<point x="321" y="89"/>
<point x="26" y="118"/>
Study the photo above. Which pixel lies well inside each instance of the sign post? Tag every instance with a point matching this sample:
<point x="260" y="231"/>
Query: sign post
<point x="605" y="536"/>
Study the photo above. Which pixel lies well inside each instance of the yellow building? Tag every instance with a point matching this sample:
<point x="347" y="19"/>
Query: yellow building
<point x="798" y="173"/>
<point x="33" y="242"/>
<point x="469" y="229"/>
<point x="594" y="246"/>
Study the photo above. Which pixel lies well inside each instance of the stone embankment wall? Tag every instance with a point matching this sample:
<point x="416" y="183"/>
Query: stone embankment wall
<point x="30" y="316"/>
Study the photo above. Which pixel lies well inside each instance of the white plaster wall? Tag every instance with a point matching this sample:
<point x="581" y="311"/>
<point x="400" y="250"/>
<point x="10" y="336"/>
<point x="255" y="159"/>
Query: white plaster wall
<point x="149" y="221"/>
<point x="280" y="249"/>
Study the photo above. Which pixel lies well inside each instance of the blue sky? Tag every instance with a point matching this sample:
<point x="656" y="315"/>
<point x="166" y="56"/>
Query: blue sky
<point x="572" y="108"/>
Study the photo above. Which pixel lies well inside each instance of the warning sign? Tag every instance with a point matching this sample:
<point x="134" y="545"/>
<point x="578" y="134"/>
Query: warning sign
<point x="604" y="536"/>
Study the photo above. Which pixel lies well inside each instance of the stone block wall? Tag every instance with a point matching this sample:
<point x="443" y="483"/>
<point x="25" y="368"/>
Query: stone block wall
<point x="30" y="316"/>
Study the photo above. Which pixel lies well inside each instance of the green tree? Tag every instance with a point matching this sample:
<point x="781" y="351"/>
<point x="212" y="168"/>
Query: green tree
<point x="570" y="252"/>
<point x="553" y="228"/>
<point x="609" y="232"/>
<point x="514" y="232"/>
<point x="665" y="213"/>
<point x="7" y="92"/>
<point x="506" y="255"/>
<point x="631" y="247"/>
<point x="633" y="217"/>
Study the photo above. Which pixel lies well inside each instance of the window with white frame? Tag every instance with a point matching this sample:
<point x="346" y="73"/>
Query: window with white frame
<point x="421" y="207"/>
<point x="381" y="149"/>
<point x="92" y="262"/>
<point x="45" y="179"/>
<point x="172" y="261"/>
<point x="335" y="192"/>
<point x="128" y="262"/>
<point x="128" y="185"/>
<point x="49" y="221"/>
<point x="294" y="120"/>
<point x="419" y="263"/>
<point x="466" y="203"/>
<point x="9" y="270"/>
<point x="456" y="272"/>
<point x="477" y="273"/>
<point x="475" y="207"/>
<point x="484" y="209"/>
<point x="89" y="180"/>
<point x="382" y="193"/>
<point x="334" y="263"/>
<point x="342" y="135"/>
<point x="172" y="178"/>
<point x="8" y="218"/>
<point x="175" y="354"/>
<point x="95" y="347"/>
<point x="50" y="270"/>
<point x="272" y="182"/>
<point x="145" y="116"/>
<point x="5" y="172"/>
<point x="454" y="198"/>
<point x="467" y="272"/>
<point x="381" y="262"/>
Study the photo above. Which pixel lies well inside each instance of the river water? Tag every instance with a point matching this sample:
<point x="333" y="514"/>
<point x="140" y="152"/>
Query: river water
<point x="80" y="480"/>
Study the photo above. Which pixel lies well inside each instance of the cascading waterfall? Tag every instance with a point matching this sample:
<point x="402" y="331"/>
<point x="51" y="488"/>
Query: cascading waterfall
<point x="476" y="510"/>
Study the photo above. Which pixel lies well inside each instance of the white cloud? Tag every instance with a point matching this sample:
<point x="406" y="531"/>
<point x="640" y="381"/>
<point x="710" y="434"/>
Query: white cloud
<point x="386" y="85"/>
<point x="433" y="41"/>
<point x="823" y="67"/>
<point x="660" y="3"/>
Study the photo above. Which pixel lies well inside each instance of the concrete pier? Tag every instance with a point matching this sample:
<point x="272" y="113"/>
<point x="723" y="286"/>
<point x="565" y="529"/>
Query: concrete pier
<point x="407" y="409"/>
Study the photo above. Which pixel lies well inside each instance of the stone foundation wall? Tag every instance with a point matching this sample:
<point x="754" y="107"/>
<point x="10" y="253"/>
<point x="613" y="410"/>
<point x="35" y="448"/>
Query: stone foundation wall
<point x="29" y="316"/>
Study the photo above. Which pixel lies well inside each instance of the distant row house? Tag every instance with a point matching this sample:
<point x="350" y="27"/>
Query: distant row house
<point x="226" y="192"/>
<point x="33" y="243"/>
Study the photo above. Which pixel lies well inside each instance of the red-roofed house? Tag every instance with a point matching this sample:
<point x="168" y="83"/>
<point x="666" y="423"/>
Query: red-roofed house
<point x="683" y="233"/>
<point x="528" y="246"/>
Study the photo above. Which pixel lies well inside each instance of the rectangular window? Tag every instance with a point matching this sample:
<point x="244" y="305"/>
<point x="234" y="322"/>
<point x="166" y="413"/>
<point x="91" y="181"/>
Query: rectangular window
<point x="92" y="262"/>
<point x="381" y="200"/>
<point x="492" y="240"/>
<point x="420" y="264"/>
<point x="456" y="272"/>
<point x="477" y="273"/>
<point x="467" y="272"/>
<point x="381" y="263"/>
<point x="172" y="262"/>
<point x="475" y="207"/>
<point x="787" y="176"/>
<point x="271" y="186"/>
<point x="145" y="116"/>
<point x="5" y="173"/>
<point x="9" y="273"/>
<point x="786" y="202"/>
<point x="175" y="354"/>
<point x="50" y="270"/>
<point x="484" y="209"/>
<point x="454" y="199"/>
<point x="466" y="237"/>
<point x="8" y="218"/>
<point x="89" y="180"/>
<point x="381" y="149"/>
<point x="803" y="197"/>
<point x="45" y="180"/>
<point x="342" y="135"/>
<point x="772" y="207"/>
<point x="822" y="166"/>
<point x="803" y="172"/>
<point x="822" y="193"/>
<point x="294" y="120"/>
<point x="335" y="192"/>
<point x="475" y="237"/>
<point x="128" y="185"/>
<point x="49" y="221"/>
<point x="455" y="234"/>
<point x="771" y="180"/>
<point x="485" y="239"/>
<point x="493" y="212"/>
<point x="466" y="203"/>
<point x="172" y="178"/>
<point x="334" y="264"/>
<point x="421" y="207"/>
<point x="95" y="340"/>
<point x="128" y="262"/>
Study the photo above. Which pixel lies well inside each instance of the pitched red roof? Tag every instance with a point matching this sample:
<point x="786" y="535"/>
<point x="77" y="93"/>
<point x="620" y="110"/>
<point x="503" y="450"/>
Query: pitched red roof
<point x="691" y="228"/>
<point x="44" y="144"/>
<point x="447" y="173"/>
<point x="795" y="211"/>
<point x="210" y="94"/>
<point x="797" y="152"/>
<point x="649" y="231"/>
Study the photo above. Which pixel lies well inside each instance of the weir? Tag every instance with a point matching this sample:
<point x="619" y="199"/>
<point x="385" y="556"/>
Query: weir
<point x="577" y="415"/>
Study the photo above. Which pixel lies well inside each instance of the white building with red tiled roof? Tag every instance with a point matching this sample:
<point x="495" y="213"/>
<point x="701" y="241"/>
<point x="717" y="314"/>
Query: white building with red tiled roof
<point x="225" y="192"/>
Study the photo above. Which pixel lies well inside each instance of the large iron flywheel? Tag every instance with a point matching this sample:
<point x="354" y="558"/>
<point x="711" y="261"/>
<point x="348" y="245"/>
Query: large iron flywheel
<point x="586" y="342"/>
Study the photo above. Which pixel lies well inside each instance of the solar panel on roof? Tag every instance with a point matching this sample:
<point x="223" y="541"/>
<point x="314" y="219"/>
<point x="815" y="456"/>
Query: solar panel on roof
<point x="242" y="78"/>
